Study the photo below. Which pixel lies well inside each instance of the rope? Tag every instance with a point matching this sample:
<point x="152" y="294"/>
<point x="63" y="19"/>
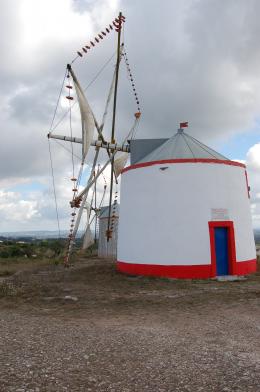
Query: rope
<point x="108" y="101"/>
<point x="54" y="189"/>
<point x="89" y="221"/>
<point x="58" y="100"/>
<point x="188" y="145"/>
<point x="80" y="174"/>
<point x="116" y="25"/>
<point x="70" y="125"/>
<point x="65" y="148"/>
<point x="103" y="196"/>
<point x="176" y="136"/>
<point x="204" y="147"/>
<point x="73" y="232"/>
<point x="90" y="84"/>
<point x="100" y="71"/>
<point x="132" y="130"/>
<point x="95" y="206"/>
<point x="91" y="201"/>
<point x="110" y="92"/>
<point x="130" y="76"/>
<point x="114" y="207"/>
<point x="104" y="178"/>
<point x="135" y="130"/>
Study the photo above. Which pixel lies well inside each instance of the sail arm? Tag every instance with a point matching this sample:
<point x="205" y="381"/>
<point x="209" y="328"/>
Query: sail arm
<point x="90" y="183"/>
<point x="108" y="101"/>
<point x="84" y="199"/>
<point x="87" y="118"/>
<point x="110" y="93"/>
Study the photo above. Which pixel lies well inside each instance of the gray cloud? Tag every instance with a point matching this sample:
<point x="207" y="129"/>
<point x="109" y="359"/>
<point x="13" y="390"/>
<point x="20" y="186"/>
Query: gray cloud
<point x="191" y="60"/>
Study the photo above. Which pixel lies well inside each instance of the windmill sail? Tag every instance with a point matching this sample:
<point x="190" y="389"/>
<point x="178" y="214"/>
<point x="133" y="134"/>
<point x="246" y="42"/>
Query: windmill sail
<point x="89" y="123"/>
<point x="119" y="164"/>
<point x="88" y="238"/>
<point x="87" y="118"/>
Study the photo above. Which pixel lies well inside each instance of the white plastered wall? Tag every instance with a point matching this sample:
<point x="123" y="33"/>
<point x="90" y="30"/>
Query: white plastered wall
<point x="165" y="213"/>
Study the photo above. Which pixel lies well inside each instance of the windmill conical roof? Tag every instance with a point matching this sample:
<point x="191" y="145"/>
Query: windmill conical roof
<point x="182" y="146"/>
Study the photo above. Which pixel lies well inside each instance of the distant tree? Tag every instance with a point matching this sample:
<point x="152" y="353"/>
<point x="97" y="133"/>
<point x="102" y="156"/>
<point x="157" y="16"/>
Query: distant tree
<point x="7" y="242"/>
<point x="15" y="251"/>
<point x="4" y="254"/>
<point x="44" y="244"/>
<point x="56" y="246"/>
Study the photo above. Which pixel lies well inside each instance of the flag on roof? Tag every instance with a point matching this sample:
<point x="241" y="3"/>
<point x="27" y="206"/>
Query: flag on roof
<point x="184" y="124"/>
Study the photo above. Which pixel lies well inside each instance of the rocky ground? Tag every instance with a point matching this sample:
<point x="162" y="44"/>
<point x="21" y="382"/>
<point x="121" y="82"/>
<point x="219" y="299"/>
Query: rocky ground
<point x="91" y="329"/>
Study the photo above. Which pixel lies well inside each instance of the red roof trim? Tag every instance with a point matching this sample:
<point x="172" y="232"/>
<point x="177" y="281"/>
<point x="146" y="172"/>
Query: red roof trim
<point x="191" y="160"/>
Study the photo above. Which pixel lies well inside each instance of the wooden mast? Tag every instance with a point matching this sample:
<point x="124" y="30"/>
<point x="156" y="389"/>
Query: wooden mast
<point x="108" y="233"/>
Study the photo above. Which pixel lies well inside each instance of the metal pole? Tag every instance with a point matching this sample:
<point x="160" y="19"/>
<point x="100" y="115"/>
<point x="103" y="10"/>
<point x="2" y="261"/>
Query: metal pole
<point x="90" y="183"/>
<point x="95" y="203"/>
<point x="113" y="125"/>
<point x="95" y="143"/>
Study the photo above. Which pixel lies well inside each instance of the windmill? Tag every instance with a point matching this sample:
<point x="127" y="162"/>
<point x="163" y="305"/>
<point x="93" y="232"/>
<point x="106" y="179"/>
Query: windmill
<point x="92" y="136"/>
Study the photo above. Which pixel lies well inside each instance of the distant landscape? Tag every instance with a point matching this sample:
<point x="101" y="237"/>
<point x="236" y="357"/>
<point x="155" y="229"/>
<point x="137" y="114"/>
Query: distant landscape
<point x="21" y="248"/>
<point x="36" y="235"/>
<point x="257" y="236"/>
<point x="48" y="234"/>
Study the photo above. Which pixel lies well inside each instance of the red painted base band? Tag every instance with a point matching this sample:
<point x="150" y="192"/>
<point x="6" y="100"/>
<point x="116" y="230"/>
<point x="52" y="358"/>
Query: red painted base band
<point x="246" y="267"/>
<point x="204" y="271"/>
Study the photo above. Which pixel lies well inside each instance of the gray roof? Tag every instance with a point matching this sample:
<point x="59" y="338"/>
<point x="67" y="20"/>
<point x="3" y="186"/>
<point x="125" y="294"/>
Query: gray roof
<point x="141" y="147"/>
<point x="182" y="146"/>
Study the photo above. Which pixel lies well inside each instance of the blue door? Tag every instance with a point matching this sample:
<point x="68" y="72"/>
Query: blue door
<point x="221" y="249"/>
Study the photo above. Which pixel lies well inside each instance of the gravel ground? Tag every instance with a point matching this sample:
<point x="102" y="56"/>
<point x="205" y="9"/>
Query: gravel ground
<point x="92" y="329"/>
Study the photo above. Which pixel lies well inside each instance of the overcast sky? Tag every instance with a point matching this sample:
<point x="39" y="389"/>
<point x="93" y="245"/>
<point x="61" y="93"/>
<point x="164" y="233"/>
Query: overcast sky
<point x="192" y="60"/>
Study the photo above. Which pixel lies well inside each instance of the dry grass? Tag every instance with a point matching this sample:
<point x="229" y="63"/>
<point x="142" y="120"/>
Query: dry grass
<point x="101" y="289"/>
<point x="120" y="333"/>
<point x="13" y="265"/>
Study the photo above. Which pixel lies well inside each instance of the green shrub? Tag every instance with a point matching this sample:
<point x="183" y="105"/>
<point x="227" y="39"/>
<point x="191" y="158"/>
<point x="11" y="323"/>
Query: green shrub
<point x="15" y="250"/>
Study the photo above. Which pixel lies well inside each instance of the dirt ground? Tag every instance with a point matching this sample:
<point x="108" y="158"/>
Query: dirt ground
<point x="90" y="328"/>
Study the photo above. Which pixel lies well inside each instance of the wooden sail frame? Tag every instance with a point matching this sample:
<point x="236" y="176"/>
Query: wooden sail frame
<point x="111" y="147"/>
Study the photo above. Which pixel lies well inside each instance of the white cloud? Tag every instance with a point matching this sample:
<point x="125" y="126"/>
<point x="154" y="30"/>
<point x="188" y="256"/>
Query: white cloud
<point x="253" y="168"/>
<point x="36" y="209"/>
<point x="253" y="159"/>
<point x="14" y="208"/>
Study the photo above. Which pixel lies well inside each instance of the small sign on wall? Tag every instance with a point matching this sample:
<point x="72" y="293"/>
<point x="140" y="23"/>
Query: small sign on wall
<point x="219" y="214"/>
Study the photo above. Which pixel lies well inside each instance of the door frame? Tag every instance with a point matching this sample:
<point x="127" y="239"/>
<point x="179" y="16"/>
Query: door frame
<point x="231" y="246"/>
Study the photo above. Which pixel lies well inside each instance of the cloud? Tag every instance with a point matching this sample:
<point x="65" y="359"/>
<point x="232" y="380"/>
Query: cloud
<point x="253" y="167"/>
<point x="13" y="208"/>
<point x="253" y="158"/>
<point x="196" y="65"/>
<point x="191" y="60"/>
<point x="40" y="43"/>
<point x="30" y="209"/>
